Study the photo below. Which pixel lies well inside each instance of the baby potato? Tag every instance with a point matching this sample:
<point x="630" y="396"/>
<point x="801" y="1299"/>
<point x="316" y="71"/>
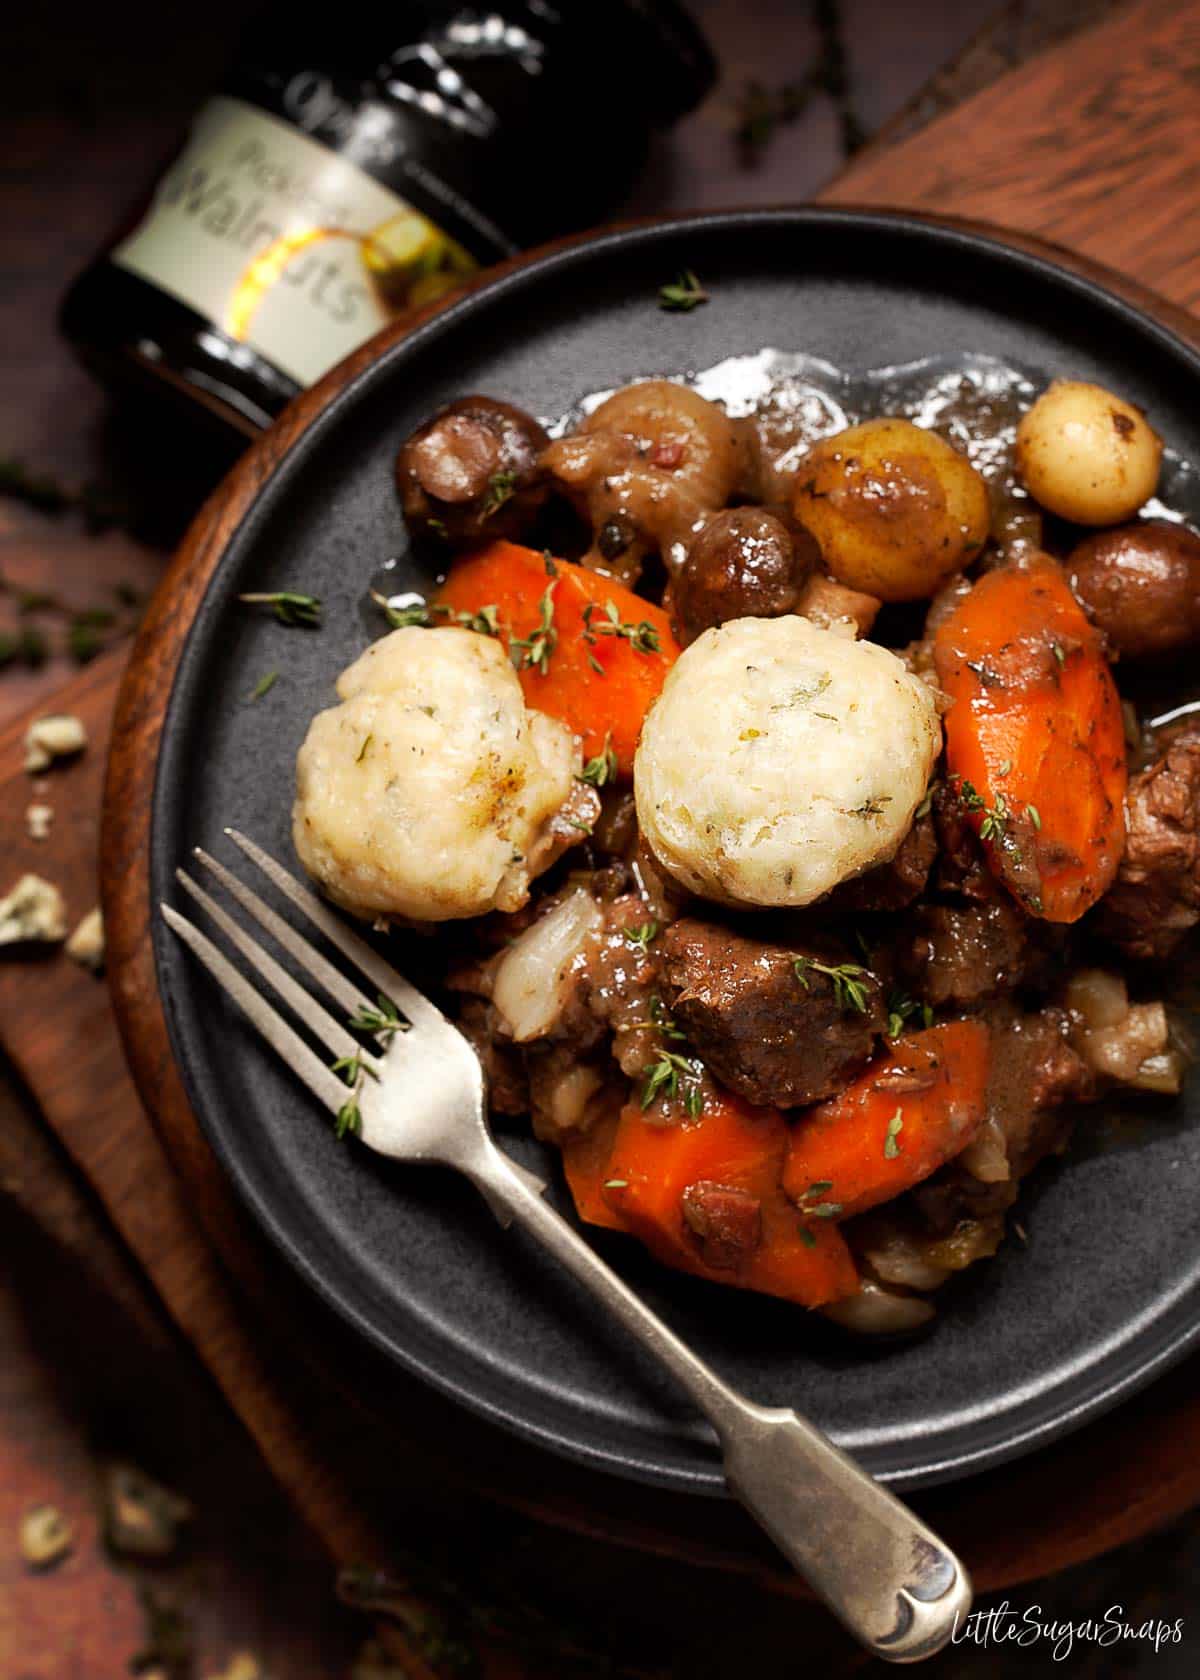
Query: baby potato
<point x="894" y="508"/>
<point x="1086" y="454"/>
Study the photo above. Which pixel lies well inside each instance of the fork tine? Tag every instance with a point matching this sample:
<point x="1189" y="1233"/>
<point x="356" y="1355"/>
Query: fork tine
<point x="351" y="998"/>
<point x="324" y="1085"/>
<point x="327" y="1028"/>
<point x="411" y="1003"/>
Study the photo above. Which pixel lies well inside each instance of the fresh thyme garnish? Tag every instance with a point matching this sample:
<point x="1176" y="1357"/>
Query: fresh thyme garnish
<point x="289" y="608"/>
<point x="891" y="1143"/>
<point x="641" y="935"/>
<point x="549" y="563"/>
<point x="264" y="685"/>
<point x="642" y="638"/>
<point x="1034" y="815"/>
<point x="926" y="804"/>
<point x="485" y="622"/>
<point x="384" y="1021"/>
<point x="349" y="1119"/>
<point x="807" y="1237"/>
<point x="352" y="1069"/>
<point x="616" y="1184"/>
<point x="575" y="822"/>
<point x="1056" y="649"/>
<point x="438" y="527"/>
<point x="662" y="1076"/>
<point x="682" y="294"/>
<point x="994" y="826"/>
<point x="820" y="1209"/>
<point x="501" y="487"/>
<point x="536" y="648"/>
<point x="850" y="981"/>
<point x="602" y="769"/>
<point x="873" y="807"/>
<point x="902" y="1008"/>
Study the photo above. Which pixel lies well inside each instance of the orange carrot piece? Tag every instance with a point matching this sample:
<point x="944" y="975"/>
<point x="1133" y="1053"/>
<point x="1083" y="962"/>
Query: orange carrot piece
<point x="1034" y="737"/>
<point x="732" y="1144"/>
<point x="600" y="687"/>
<point x="585" y="1158"/>
<point x="914" y="1108"/>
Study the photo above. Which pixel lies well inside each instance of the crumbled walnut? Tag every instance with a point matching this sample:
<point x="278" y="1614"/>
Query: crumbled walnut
<point x="33" y="910"/>
<point x="86" y="944"/>
<point x="37" y="821"/>
<point x="243" y="1665"/>
<point x="46" y="1536"/>
<point x="47" y="738"/>
<point x="141" y="1518"/>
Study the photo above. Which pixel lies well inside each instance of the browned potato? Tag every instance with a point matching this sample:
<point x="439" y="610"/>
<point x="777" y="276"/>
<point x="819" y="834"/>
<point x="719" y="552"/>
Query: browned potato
<point x="894" y="508"/>
<point x="1086" y="454"/>
<point x="1140" y="584"/>
<point x="746" y="562"/>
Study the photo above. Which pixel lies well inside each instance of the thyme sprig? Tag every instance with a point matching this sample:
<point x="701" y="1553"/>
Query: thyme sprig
<point x="421" y="615"/>
<point x="384" y="1020"/>
<point x="501" y="488"/>
<point x="850" y="981"/>
<point x="820" y="1209"/>
<point x="683" y="293"/>
<point x="533" y="651"/>
<point x="642" y="935"/>
<point x="289" y="608"/>
<point x="902" y="1008"/>
<point x="602" y="769"/>
<point x="642" y="637"/>
<point x="663" y="1076"/>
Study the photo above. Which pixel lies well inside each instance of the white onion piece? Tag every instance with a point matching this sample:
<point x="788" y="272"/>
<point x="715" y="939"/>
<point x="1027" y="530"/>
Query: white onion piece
<point x="876" y="1311"/>
<point x="532" y="978"/>
<point x="1097" y="997"/>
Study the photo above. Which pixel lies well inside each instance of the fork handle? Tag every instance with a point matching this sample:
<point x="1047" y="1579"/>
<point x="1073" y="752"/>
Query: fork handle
<point x="891" y="1582"/>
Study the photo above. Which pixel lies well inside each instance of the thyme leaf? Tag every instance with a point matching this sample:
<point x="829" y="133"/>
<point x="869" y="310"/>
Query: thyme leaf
<point x="682" y="294"/>
<point x="602" y="769"/>
<point x="891" y="1143"/>
<point x="536" y="648"/>
<point x="501" y="488"/>
<point x="264" y="685"/>
<point x="289" y="608"/>
<point x="850" y="981"/>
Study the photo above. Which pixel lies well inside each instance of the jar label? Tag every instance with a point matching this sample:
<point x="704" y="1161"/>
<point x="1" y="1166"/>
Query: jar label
<point x="284" y="245"/>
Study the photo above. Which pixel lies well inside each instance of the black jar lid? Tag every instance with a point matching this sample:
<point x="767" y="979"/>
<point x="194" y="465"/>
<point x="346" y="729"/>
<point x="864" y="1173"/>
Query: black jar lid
<point x="674" y="64"/>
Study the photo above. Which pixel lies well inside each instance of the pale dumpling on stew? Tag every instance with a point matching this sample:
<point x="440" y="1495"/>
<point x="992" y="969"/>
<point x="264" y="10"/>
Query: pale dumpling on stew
<point x="424" y="793"/>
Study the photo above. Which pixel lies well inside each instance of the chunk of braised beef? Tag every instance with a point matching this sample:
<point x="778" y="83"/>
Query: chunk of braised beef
<point x="724" y="1220"/>
<point x="473" y="471"/>
<point x="963" y="956"/>
<point x="503" y="1064"/>
<point x="895" y="884"/>
<point x="1155" y="898"/>
<point x="769" y="1032"/>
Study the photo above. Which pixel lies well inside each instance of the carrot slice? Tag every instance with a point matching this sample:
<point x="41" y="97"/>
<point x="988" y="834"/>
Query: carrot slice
<point x="585" y="1158"/>
<point x="915" y="1107"/>
<point x="732" y="1144"/>
<point x="1034" y="738"/>
<point x="605" y="651"/>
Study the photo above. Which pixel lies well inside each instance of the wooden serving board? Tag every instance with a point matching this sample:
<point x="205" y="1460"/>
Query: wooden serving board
<point x="1035" y="153"/>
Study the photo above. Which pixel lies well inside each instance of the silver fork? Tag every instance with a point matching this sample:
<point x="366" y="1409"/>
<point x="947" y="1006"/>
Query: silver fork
<point x="893" y="1584"/>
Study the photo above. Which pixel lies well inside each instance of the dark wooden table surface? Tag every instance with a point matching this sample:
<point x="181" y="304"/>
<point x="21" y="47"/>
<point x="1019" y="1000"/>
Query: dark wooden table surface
<point x="88" y="1365"/>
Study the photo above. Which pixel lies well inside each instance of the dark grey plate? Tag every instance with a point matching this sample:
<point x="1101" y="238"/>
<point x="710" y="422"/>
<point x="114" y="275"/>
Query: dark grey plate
<point x="1106" y="1292"/>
